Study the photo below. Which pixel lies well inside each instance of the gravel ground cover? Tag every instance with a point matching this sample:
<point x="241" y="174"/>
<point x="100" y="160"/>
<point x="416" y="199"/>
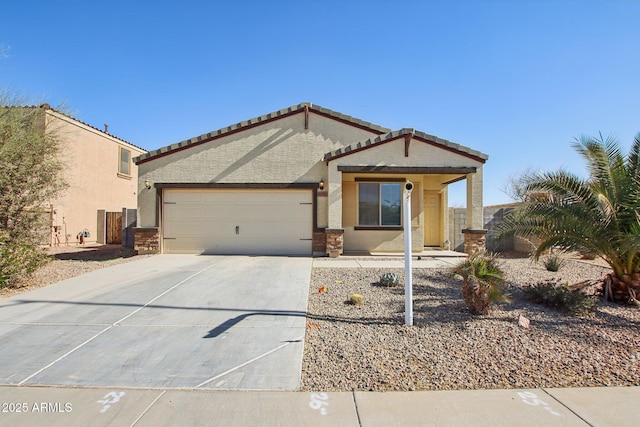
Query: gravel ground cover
<point x="71" y="261"/>
<point x="368" y="347"/>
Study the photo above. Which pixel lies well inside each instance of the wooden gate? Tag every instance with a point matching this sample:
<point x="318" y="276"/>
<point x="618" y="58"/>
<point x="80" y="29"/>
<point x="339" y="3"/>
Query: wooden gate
<point x="114" y="228"/>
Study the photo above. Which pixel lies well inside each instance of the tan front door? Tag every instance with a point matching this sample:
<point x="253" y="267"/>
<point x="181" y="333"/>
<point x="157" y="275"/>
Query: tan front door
<point x="432" y="218"/>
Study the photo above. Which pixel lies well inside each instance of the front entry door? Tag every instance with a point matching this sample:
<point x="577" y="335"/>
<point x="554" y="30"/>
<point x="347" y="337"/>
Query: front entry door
<point x="432" y="218"/>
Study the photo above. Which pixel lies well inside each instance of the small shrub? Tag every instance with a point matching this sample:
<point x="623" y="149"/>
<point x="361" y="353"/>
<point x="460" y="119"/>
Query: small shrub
<point x="389" y="280"/>
<point x="18" y="260"/>
<point x="560" y="296"/>
<point x="554" y="262"/>
<point x="481" y="279"/>
<point x="356" y="299"/>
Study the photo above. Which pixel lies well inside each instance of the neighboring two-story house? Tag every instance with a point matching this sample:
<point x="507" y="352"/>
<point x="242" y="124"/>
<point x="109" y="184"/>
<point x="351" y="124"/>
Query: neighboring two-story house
<point x="102" y="182"/>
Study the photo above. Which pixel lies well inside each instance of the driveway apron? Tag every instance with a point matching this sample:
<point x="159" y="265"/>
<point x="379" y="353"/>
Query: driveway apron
<point x="169" y="321"/>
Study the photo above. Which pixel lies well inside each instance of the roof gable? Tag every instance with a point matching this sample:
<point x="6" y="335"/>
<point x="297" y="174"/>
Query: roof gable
<point x="408" y="134"/>
<point x="303" y="108"/>
<point x="60" y="114"/>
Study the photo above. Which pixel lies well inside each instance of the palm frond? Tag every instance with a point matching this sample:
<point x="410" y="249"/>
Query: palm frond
<point x="599" y="215"/>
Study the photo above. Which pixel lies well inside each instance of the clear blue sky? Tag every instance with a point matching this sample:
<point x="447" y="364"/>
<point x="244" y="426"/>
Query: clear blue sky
<point x="517" y="80"/>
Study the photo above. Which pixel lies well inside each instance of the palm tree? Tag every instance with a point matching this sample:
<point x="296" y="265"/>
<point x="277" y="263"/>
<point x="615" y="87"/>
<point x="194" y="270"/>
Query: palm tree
<point x="599" y="215"/>
<point x="481" y="279"/>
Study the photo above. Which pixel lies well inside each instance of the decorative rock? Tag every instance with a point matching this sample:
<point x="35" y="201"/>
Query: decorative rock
<point x="523" y="321"/>
<point x="448" y="348"/>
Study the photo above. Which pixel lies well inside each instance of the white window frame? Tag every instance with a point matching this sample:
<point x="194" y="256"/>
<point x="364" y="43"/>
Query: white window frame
<point x="126" y="174"/>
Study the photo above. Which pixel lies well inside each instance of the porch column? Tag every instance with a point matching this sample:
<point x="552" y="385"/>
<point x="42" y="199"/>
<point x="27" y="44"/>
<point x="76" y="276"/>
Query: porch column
<point x="474" y="234"/>
<point x="334" y="231"/>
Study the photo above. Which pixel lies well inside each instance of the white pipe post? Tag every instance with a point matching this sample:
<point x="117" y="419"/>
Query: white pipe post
<point x="408" y="281"/>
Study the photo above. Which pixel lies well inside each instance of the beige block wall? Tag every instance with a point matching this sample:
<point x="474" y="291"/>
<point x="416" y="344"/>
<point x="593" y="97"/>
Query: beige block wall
<point x="91" y="161"/>
<point x="281" y="151"/>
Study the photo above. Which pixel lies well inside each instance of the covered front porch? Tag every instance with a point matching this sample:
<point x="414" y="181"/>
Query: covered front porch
<point x="365" y="194"/>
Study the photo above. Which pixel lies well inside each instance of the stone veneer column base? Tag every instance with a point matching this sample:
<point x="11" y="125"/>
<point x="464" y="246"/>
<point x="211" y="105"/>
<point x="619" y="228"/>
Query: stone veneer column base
<point x="474" y="241"/>
<point x="146" y="240"/>
<point x="319" y="244"/>
<point x="335" y="242"/>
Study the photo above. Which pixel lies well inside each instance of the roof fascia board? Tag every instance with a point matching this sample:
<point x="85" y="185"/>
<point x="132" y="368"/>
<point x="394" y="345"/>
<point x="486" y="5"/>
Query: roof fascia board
<point x="213" y="135"/>
<point x="349" y="120"/>
<point x="72" y="120"/>
<point x="266" y="118"/>
<point x="422" y="170"/>
<point x="417" y="135"/>
<point x="237" y="185"/>
<point x="361" y="146"/>
<point x="451" y="146"/>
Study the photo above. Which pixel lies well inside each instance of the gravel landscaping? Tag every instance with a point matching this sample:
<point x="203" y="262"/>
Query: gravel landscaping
<point x="71" y="261"/>
<point x="368" y="347"/>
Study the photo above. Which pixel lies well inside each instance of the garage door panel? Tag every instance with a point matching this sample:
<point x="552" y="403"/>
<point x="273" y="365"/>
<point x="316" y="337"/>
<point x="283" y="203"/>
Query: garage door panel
<point x="230" y="246"/>
<point x="274" y="222"/>
<point x="227" y="229"/>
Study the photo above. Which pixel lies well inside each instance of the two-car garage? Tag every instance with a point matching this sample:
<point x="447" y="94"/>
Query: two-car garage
<point x="237" y="221"/>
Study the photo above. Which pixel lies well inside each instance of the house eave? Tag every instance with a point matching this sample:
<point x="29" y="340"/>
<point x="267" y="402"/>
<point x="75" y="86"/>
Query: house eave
<point x="408" y="134"/>
<point x="260" y="120"/>
<point x="421" y="170"/>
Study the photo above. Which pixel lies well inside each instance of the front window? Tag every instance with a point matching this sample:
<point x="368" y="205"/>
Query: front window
<point x="380" y="204"/>
<point x="124" y="167"/>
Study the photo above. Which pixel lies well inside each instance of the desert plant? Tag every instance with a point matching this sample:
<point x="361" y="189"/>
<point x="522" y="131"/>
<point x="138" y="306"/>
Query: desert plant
<point x="389" y="280"/>
<point x="32" y="170"/>
<point x="560" y="296"/>
<point x="598" y="215"/>
<point x="553" y="262"/>
<point x="31" y="176"/>
<point x="356" y="299"/>
<point x="481" y="280"/>
<point x="18" y="260"/>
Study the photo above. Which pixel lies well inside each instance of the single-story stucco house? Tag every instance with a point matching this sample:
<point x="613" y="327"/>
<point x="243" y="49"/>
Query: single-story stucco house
<point x="304" y="180"/>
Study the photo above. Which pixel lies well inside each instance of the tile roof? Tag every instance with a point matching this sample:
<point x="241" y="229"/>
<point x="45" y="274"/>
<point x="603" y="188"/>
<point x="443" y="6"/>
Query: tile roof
<point x="294" y="109"/>
<point x="49" y="108"/>
<point x="385" y="134"/>
<point x="391" y="136"/>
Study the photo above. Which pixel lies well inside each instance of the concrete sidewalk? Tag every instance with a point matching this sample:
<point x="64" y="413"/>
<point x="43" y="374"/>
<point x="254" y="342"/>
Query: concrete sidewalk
<point x="37" y="406"/>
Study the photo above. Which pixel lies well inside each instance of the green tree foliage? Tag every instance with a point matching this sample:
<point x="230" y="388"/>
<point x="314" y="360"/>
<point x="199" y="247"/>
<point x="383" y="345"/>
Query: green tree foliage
<point x="30" y="172"/>
<point x="30" y="178"/>
<point x="599" y="215"/>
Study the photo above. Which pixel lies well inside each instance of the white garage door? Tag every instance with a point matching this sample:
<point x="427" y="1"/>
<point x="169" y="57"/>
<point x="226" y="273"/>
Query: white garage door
<point x="232" y="221"/>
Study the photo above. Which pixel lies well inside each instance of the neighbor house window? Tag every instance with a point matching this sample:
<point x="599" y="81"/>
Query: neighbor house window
<point x="124" y="167"/>
<point x="379" y="204"/>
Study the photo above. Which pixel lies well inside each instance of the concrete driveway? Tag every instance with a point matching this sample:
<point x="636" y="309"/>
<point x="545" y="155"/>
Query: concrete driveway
<point x="169" y="321"/>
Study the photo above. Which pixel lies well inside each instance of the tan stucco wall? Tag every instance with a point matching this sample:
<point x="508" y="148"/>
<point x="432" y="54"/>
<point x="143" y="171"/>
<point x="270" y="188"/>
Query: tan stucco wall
<point x="281" y="151"/>
<point x="91" y="162"/>
<point x="379" y="240"/>
<point x="342" y="198"/>
<point x="475" y="203"/>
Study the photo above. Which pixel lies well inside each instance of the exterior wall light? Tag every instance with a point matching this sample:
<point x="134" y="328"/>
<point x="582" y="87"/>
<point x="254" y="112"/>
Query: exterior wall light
<point x="321" y="184"/>
<point x="147" y="184"/>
